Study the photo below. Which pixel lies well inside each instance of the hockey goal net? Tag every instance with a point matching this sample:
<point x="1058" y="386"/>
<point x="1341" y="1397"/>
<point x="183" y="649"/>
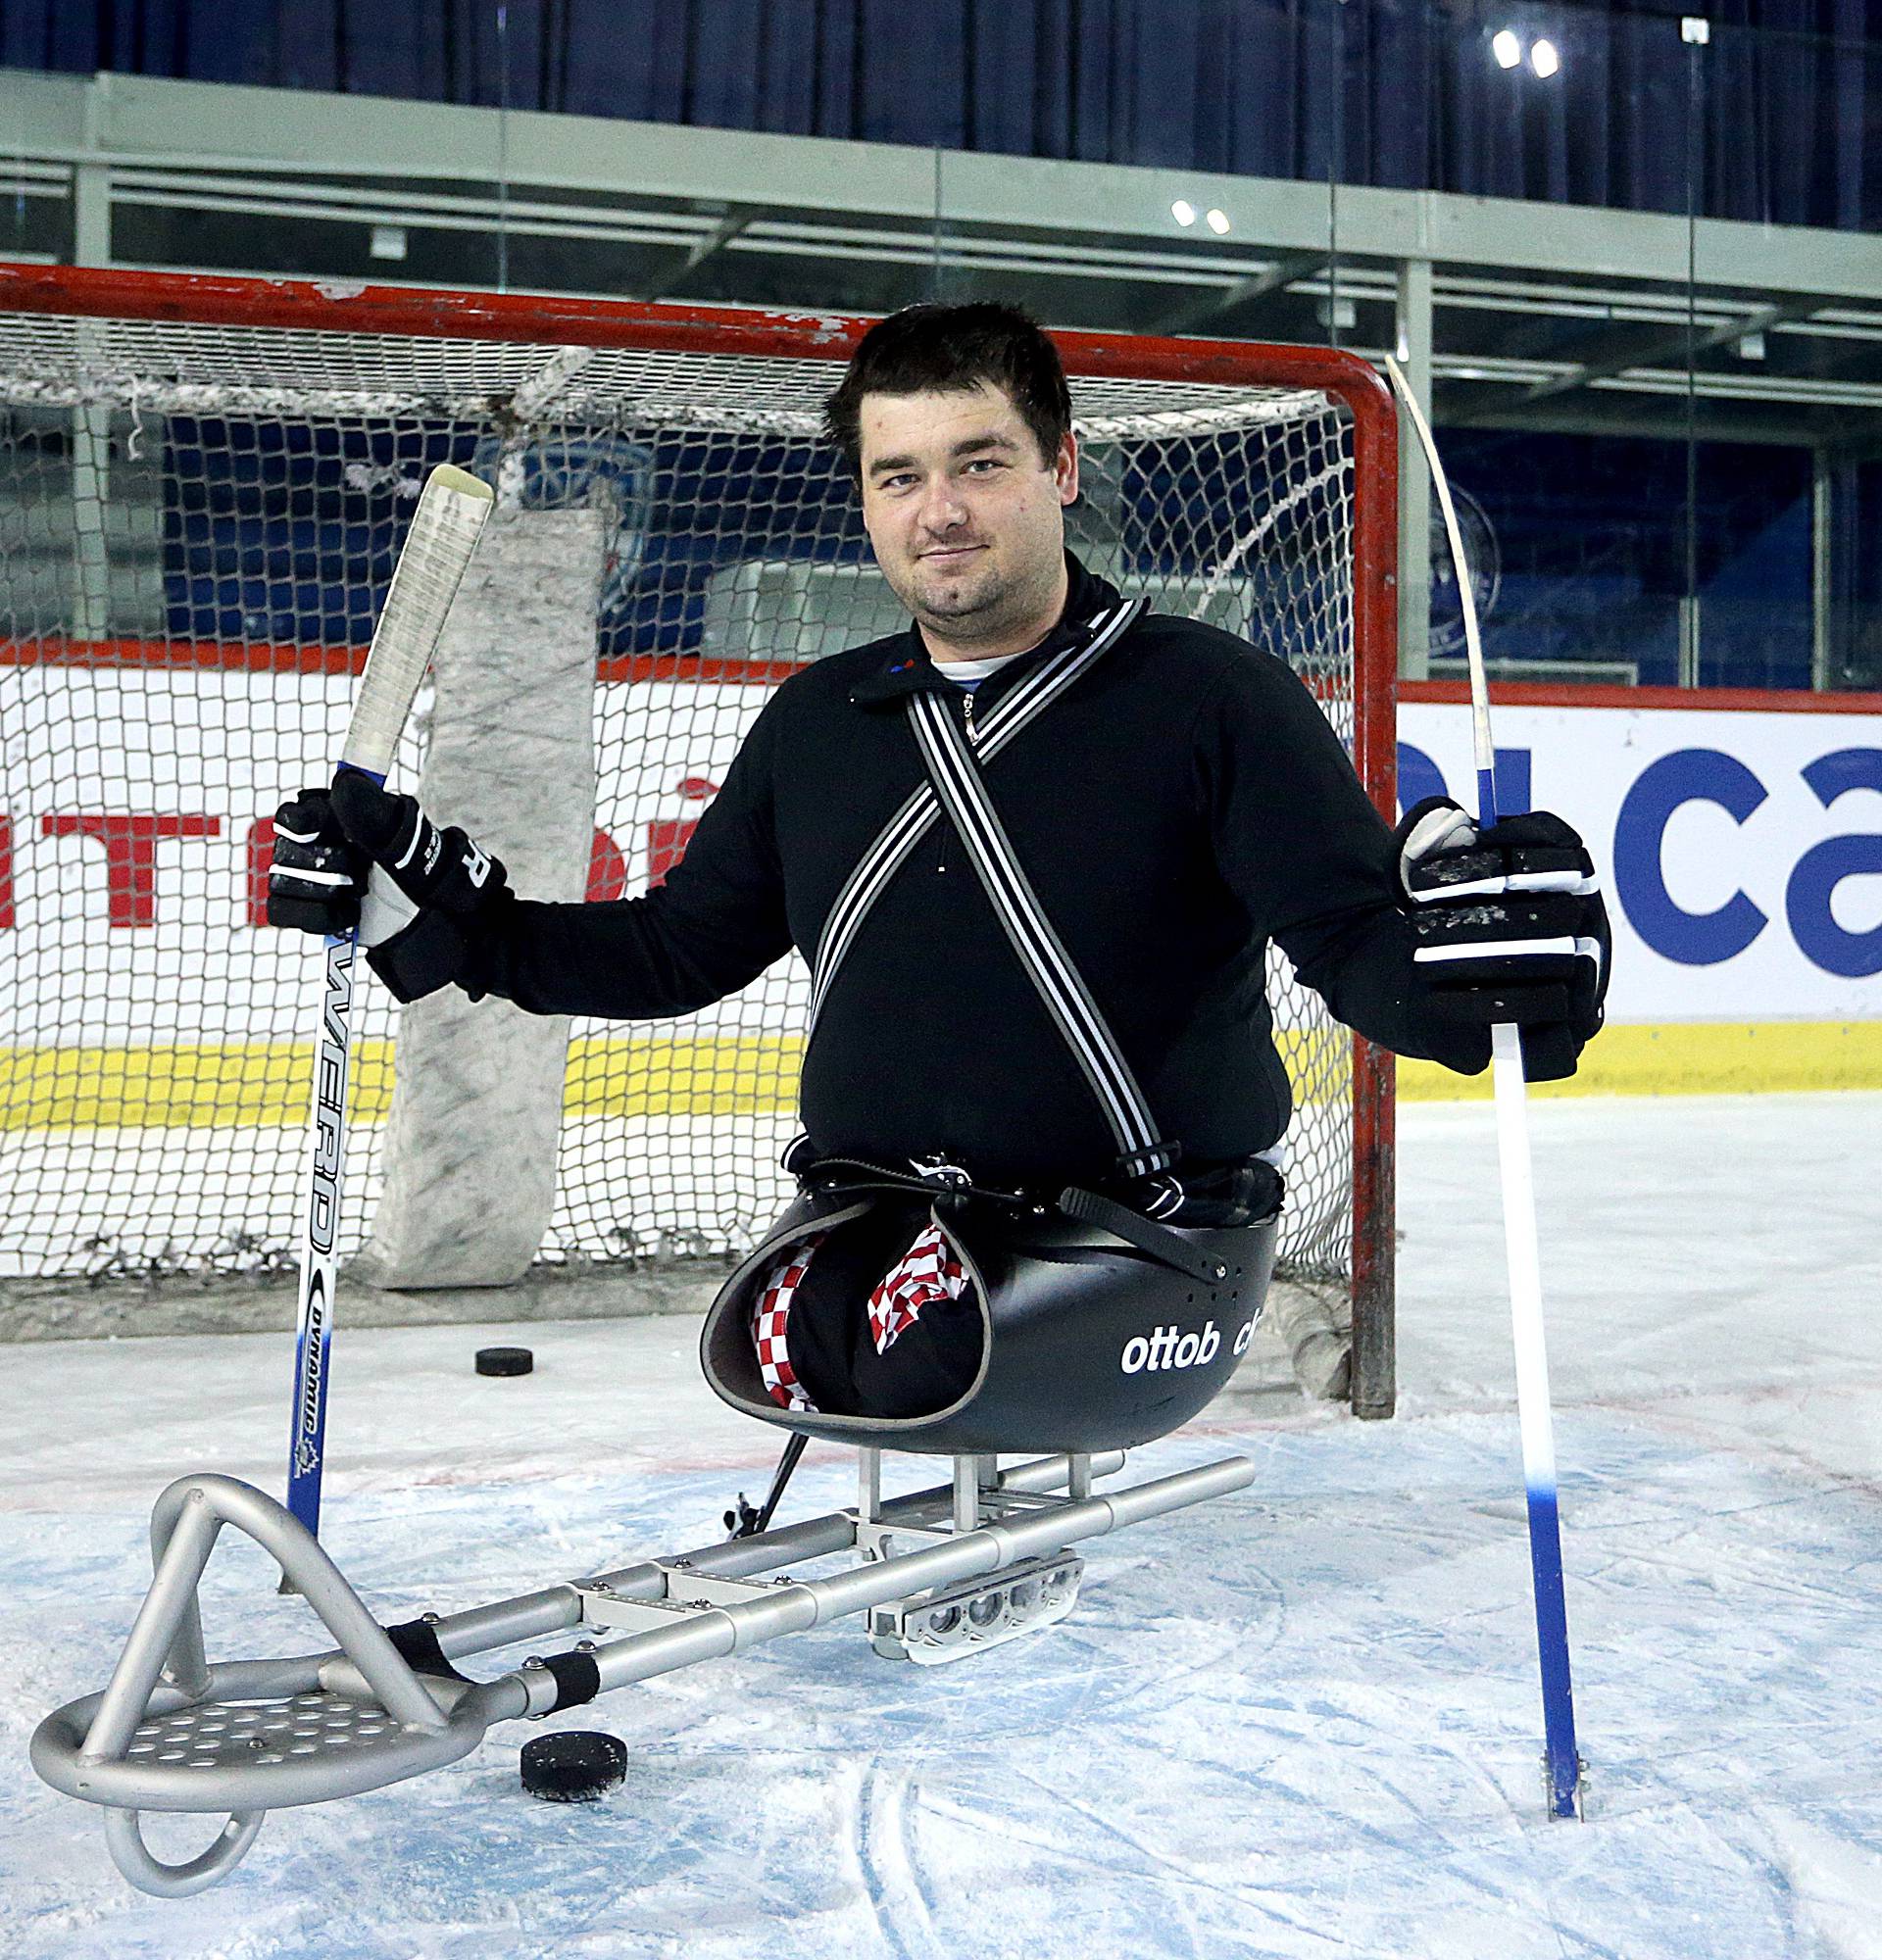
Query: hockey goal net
<point x="204" y="483"/>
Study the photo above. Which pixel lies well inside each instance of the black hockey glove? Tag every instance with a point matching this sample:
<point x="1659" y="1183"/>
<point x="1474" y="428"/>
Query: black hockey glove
<point x="1510" y="926"/>
<point x="316" y="878"/>
<point x="359" y="852"/>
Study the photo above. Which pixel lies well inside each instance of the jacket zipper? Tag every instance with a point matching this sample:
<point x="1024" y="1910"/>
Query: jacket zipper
<point x="973" y="742"/>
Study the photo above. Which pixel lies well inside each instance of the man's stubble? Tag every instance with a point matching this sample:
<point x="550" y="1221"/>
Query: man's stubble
<point x="986" y="606"/>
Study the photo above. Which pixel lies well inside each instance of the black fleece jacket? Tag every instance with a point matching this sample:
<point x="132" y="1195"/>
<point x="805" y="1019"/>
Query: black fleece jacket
<point x="1184" y="802"/>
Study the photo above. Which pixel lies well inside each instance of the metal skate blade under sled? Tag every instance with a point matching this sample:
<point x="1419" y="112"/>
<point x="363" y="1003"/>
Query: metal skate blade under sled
<point x="943" y="1573"/>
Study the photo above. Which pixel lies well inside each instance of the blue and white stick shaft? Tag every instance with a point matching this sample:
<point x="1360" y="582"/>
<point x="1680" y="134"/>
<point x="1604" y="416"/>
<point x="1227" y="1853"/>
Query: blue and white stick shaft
<point x="437" y="549"/>
<point x="1562" y="1758"/>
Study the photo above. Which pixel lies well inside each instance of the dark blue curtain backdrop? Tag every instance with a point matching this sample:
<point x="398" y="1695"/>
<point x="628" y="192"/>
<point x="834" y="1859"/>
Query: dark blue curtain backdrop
<point x="1769" y="121"/>
<point x="1590" y="546"/>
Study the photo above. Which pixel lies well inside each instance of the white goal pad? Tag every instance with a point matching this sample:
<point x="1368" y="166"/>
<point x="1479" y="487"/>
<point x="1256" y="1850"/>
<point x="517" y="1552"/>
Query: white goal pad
<point x="477" y="1110"/>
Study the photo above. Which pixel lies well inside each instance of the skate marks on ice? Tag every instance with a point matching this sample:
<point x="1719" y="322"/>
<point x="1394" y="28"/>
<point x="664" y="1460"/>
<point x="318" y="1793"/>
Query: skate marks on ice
<point x="1722" y="1251"/>
<point x="882" y="1801"/>
<point x="1300" y="1722"/>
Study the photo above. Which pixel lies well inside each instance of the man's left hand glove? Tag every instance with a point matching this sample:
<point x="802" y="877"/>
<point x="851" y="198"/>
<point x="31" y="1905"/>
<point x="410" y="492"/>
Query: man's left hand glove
<point x="1510" y="926"/>
<point x="357" y="853"/>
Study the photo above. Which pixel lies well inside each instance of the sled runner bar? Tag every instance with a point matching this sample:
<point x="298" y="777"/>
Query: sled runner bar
<point x="558" y="1609"/>
<point x="173" y="1732"/>
<point x="794" y="1607"/>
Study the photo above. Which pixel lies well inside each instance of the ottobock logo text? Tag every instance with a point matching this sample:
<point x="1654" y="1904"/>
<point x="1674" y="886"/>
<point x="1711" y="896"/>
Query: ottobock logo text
<point x="1167" y="1348"/>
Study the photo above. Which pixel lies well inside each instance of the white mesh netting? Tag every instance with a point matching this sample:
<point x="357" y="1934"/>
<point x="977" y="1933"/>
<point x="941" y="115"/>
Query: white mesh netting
<point x="197" y="526"/>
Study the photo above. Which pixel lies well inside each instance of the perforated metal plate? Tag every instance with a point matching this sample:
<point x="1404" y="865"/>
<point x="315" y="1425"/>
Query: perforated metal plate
<point x="230" y="1735"/>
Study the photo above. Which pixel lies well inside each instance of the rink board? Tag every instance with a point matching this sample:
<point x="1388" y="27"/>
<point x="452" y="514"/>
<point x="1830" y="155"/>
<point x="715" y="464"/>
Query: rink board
<point x="1742" y="849"/>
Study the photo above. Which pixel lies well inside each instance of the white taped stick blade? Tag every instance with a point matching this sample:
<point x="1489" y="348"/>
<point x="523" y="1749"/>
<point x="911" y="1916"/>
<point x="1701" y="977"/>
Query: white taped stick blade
<point x="437" y="547"/>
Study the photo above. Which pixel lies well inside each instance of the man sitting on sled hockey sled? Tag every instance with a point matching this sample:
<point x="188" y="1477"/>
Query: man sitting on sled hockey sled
<point x="1033" y="849"/>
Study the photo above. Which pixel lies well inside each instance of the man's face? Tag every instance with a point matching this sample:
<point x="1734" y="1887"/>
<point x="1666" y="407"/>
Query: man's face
<point x="967" y="518"/>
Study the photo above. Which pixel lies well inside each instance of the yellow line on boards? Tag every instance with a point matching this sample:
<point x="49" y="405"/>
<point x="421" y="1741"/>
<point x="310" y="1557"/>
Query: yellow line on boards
<point x="706" y="1075"/>
<point x="180" y="1086"/>
<point x="246" y="1084"/>
<point x="1691" y="1058"/>
<point x="238" y="1085"/>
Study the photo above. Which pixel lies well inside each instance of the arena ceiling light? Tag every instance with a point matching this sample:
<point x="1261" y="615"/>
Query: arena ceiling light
<point x="1544" y="59"/>
<point x="1507" y="47"/>
<point x="1184" y="212"/>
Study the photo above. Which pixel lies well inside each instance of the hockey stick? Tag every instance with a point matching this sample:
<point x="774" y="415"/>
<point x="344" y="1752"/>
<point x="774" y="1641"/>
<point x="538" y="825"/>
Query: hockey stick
<point x="1561" y="1762"/>
<point x="424" y="581"/>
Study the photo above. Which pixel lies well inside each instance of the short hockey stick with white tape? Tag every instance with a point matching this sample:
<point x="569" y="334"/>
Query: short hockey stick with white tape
<point x="437" y="549"/>
<point x="1561" y="1761"/>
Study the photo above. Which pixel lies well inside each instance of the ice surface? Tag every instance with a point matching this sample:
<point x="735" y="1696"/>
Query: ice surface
<point x="1302" y="1721"/>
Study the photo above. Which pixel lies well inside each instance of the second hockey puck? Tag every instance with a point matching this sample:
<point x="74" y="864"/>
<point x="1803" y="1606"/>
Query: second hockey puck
<point x="573" y="1764"/>
<point x="505" y="1361"/>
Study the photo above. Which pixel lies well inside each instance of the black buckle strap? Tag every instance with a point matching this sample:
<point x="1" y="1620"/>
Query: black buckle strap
<point x="1088" y="1208"/>
<point x="854" y="1174"/>
<point x="1159" y="1242"/>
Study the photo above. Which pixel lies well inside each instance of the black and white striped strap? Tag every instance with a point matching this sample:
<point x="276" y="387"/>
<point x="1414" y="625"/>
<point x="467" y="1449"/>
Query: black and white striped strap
<point x="1030" y="698"/>
<point x="958" y="782"/>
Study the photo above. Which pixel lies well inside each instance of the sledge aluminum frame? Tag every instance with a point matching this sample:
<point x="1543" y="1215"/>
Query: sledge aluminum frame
<point x="174" y="1732"/>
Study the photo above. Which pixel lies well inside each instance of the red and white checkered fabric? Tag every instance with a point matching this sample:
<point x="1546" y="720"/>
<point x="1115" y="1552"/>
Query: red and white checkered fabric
<point x="771" y="1318"/>
<point x="926" y="1273"/>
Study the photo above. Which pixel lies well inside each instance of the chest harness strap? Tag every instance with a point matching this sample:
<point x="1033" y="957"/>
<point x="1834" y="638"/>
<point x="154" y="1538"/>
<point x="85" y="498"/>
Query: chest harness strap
<point x="955" y="772"/>
<point x="1031" y="695"/>
<point x="954" y="784"/>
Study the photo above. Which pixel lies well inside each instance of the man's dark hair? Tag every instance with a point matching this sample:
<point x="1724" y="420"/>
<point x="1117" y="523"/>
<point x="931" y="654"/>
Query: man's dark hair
<point x="932" y="348"/>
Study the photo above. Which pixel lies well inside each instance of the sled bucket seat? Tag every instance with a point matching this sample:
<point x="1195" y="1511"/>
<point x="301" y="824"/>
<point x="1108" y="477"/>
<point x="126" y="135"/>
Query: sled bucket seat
<point x="1087" y="1343"/>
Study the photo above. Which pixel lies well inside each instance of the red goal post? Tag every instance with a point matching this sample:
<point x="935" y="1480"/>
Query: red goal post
<point x="258" y="420"/>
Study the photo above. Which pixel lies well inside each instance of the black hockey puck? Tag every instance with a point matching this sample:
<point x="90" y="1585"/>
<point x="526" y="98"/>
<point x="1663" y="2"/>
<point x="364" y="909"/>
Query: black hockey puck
<point x="573" y="1764"/>
<point x="505" y="1361"/>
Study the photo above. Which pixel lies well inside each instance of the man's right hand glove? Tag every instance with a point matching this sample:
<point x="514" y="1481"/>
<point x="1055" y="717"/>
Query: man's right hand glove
<point x="1510" y="925"/>
<point x="358" y="854"/>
